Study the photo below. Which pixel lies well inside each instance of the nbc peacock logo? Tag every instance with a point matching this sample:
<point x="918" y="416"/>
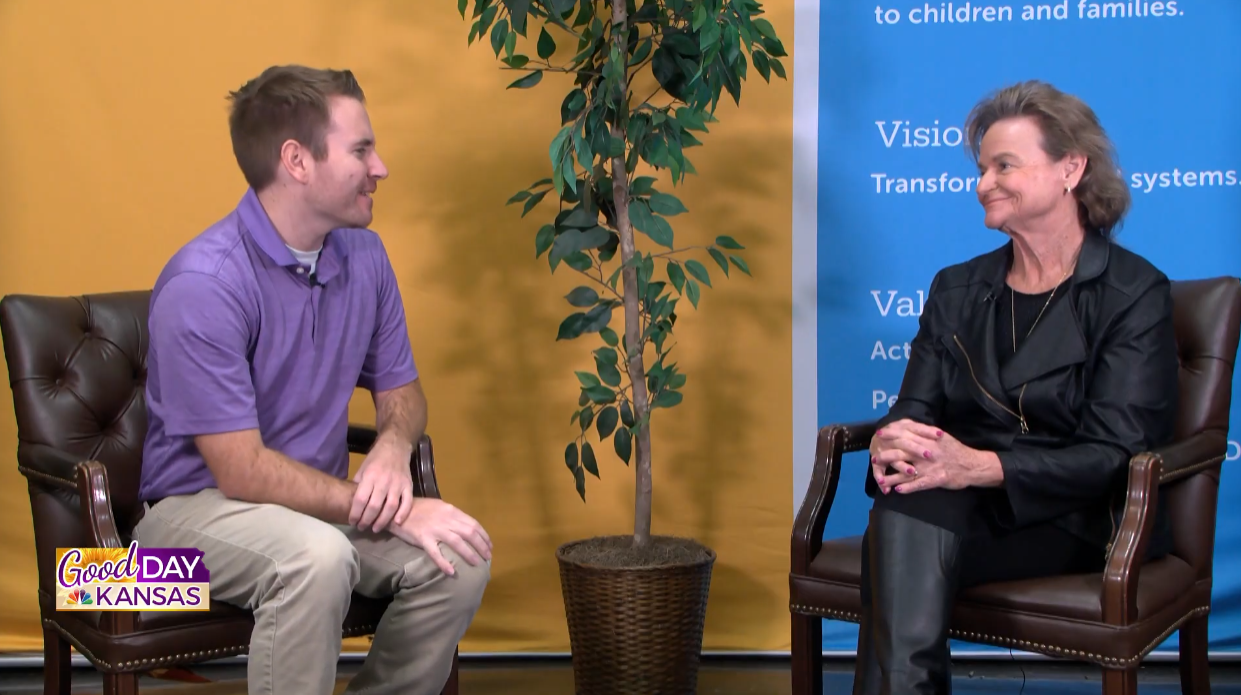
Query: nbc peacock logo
<point x="79" y="597"/>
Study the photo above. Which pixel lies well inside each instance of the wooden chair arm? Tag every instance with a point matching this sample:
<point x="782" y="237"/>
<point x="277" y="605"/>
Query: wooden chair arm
<point x="421" y="463"/>
<point x="93" y="492"/>
<point x="1148" y="471"/>
<point x="834" y="442"/>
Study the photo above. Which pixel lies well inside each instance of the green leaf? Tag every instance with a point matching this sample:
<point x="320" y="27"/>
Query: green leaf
<point x="596" y="319"/>
<point x="578" y="261"/>
<point x="570" y="456"/>
<point x="556" y="151"/>
<point x="727" y="242"/>
<point x="691" y="119"/>
<point x="642" y="185"/>
<point x="574" y="240"/>
<point x="609" y="336"/>
<point x="568" y="174"/>
<point x="608" y="373"/>
<point x="699" y="271"/>
<point x="588" y="459"/>
<point x="623" y="444"/>
<point x="571" y="327"/>
<point x="544" y="239"/>
<point x="585" y="418"/>
<point x="677" y="276"/>
<point x="616" y="147"/>
<point x="499" y="33"/>
<point x="461" y="5"/>
<point x="572" y="105"/>
<point x="719" y="259"/>
<point x="667" y="399"/>
<point x="774" y="47"/>
<point x="740" y="264"/>
<point x="692" y="291"/>
<point x="528" y="81"/>
<point x="601" y="394"/>
<point x="587" y="379"/>
<point x="582" y="400"/>
<point x="579" y="482"/>
<point x="582" y="297"/>
<point x="626" y="414"/>
<point x="763" y="65"/>
<point x="517" y="61"/>
<point x="642" y="53"/>
<point x="665" y="204"/>
<point x="608" y="355"/>
<point x="518" y="197"/>
<point x="605" y="424"/>
<point x="778" y="68"/>
<point x="581" y="218"/>
<point x="547" y="45"/>
<point x="657" y="228"/>
<point x="532" y="201"/>
<point x="764" y="27"/>
<point x="700" y="17"/>
<point x="518" y="9"/>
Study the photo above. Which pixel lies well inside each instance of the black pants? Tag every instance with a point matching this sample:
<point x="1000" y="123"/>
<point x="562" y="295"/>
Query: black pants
<point x="989" y="554"/>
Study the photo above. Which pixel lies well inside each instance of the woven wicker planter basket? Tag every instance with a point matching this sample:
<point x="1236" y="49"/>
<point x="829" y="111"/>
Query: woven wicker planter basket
<point x="635" y="631"/>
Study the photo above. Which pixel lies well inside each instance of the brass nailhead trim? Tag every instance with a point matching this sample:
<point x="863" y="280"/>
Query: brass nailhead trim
<point x="1200" y="611"/>
<point x="150" y="663"/>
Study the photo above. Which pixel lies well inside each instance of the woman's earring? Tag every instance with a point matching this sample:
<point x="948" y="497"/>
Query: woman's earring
<point x="1068" y="188"/>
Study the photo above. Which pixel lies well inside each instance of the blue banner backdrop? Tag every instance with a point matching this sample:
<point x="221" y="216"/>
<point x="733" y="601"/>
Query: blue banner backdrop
<point x="895" y="189"/>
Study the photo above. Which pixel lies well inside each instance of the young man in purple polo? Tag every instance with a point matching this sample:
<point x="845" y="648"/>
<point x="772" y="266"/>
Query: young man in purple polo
<point x="261" y="328"/>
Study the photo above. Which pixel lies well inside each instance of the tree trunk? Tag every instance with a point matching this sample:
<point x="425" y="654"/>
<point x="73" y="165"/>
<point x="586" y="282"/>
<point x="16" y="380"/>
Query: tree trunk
<point x="633" y="319"/>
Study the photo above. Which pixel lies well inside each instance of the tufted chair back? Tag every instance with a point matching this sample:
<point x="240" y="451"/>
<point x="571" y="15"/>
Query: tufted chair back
<point x="77" y="368"/>
<point x="1207" y="313"/>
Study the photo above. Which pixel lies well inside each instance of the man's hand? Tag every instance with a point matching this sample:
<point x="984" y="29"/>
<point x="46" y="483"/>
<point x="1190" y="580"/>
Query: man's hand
<point x="927" y="457"/>
<point x="385" y="493"/>
<point x="433" y="521"/>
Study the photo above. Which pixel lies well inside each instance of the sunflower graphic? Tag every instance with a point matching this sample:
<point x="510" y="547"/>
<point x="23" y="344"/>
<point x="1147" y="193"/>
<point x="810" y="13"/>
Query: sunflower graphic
<point x="98" y="556"/>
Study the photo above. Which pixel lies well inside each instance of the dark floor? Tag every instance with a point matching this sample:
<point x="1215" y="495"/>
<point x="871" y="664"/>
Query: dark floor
<point x="718" y="677"/>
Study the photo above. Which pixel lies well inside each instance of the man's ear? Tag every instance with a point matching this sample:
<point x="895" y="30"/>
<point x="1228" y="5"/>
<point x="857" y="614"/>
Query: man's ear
<point x="296" y="160"/>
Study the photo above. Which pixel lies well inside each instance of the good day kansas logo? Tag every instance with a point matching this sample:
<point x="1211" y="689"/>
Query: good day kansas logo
<point x="128" y="579"/>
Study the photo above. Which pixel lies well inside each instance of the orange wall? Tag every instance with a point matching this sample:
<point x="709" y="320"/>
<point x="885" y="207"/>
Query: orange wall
<point x="116" y="152"/>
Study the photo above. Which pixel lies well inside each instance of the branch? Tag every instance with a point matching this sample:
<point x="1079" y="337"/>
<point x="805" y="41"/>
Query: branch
<point x="601" y="282"/>
<point x="676" y="251"/>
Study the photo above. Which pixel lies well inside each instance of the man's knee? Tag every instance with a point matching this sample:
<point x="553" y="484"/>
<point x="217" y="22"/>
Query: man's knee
<point x="469" y="583"/>
<point x="324" y="561"/>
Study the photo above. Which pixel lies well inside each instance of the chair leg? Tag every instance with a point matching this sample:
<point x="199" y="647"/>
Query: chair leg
<point x="807" y="654"/>
<point x="451" y="687"/>
<point x="57" y="666"/>
<point x="1120" y="682"/>
<point x="1195" y="671"/>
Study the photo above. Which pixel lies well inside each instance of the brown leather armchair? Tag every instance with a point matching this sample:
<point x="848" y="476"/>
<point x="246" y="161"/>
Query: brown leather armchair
<point x="1113" y="619"/>
<point x="77" y="367"/>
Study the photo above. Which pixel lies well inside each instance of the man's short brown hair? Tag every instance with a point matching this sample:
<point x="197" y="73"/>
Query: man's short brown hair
<point x="286" y="102"/>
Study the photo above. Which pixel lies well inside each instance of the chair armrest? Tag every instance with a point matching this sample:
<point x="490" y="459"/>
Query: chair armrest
<point x="834" y="442"/>
<point x="1148" y="471"/>
<point x="48" y="465"/>
<point x="92" y="478"/>
<point x="1197" y="453"/>
<point x="361" y="438"/>
<point x="1124" y="558"/>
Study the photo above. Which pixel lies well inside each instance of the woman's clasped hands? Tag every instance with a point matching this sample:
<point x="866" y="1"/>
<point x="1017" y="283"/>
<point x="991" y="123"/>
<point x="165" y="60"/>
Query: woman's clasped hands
<point x="908" y="456"/>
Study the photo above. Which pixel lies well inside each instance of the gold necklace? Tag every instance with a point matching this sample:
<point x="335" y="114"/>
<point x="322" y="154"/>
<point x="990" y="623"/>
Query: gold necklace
<point x="1012" y="305"/>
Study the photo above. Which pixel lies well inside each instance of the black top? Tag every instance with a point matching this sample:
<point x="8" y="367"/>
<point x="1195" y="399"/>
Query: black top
<point x="1027" y="308"/>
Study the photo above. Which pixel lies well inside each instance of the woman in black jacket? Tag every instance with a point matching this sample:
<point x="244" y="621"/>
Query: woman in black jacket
<point x="1037" y="371"/>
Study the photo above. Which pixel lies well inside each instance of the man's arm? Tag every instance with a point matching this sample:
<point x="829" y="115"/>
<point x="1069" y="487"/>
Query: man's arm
<point x="401" y="416"/>
<point x="246" y="470"/>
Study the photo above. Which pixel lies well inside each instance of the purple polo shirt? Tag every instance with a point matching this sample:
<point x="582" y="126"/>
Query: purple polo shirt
<point x="242" y="339"/>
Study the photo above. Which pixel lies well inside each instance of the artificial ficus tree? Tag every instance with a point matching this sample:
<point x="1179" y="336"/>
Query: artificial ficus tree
<point x="646" y="76"/>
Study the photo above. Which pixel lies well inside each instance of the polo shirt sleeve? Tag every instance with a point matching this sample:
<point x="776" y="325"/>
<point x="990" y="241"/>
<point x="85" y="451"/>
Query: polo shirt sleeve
<point x="200" y="338"/>
<point x="389" y="358"/>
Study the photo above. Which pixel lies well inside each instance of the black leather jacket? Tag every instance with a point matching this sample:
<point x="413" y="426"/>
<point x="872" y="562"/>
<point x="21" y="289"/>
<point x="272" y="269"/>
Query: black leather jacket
<point x="1100" y="375"/>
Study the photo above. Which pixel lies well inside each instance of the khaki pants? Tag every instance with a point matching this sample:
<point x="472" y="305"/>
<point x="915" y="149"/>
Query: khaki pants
<point x="296" y="573"/>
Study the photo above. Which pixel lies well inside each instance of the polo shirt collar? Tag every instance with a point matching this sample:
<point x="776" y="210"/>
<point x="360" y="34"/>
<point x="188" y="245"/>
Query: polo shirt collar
<point x="258" y="224"/>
